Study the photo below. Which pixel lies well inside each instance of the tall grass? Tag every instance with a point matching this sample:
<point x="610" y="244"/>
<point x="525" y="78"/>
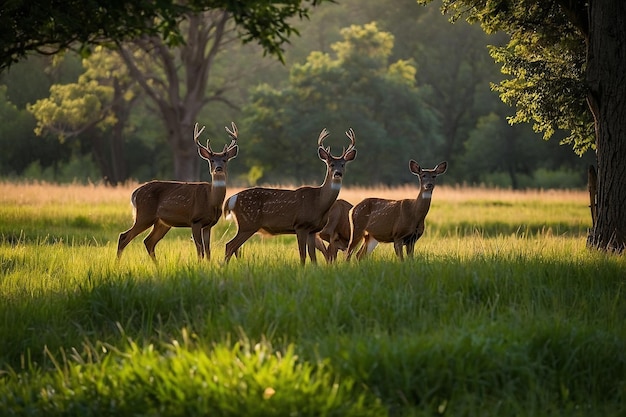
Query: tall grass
<point x="491" y="317"/>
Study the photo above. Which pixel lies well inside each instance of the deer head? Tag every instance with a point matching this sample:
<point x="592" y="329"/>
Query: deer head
<point x="427" y="176"/>
<point x="336" y="165"/>
<point x="217" y="160"/>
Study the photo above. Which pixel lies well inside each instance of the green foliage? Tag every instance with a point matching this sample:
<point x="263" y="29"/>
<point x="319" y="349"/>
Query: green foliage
<point x="545" y="58"/>
<point x="449" y="65"/>
<point x="15" y="124"/>
<point x="77" y="169"/>
<point x="71" y="107"/>
<point x="34" y="26"/>
<point x="21" y="147"/>
<point x="359" y="88"/>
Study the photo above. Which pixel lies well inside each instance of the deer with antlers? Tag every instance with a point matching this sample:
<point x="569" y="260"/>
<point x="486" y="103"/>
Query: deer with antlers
<point x="302" y="211"/>
<point x="166" y="204"/>
<point x="336" y="231"/>
<point x="376" y="220"/>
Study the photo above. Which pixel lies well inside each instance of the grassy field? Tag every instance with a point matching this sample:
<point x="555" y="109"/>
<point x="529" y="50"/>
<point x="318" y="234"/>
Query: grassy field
<point x="503" y="311"/>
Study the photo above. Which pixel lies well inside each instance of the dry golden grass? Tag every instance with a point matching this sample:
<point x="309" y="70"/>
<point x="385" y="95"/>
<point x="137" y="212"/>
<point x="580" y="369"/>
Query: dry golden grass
<point x="460" y="194"/>
<point x="41" y="193"/>
<point x="34" y="193"/>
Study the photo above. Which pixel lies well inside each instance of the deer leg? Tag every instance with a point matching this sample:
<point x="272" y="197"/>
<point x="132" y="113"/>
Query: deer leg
<point x="410" y="247"/>
<point x="354" y="243"/>
<point x="232" y="247"/>
<point x="127" y="236"/>
<point x="196" y="232"/>
<point x="357" y="234"/>
<point x="310" y="244"/>
<point x="363" y="249"/>
<point x="369" y="244"/>
<point x="332" y="251"/>
<point x="206" y="241"/>
<point x="398" y="246"/>
<point x="356" y="238"/>
<point x="302" y="236"/>
<point x="336" y="243"/>
<point x="158" y="231"/>
<point x="319" y="244"/>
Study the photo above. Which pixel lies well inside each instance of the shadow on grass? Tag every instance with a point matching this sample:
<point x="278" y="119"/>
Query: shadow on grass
<point x="432" y="333"/>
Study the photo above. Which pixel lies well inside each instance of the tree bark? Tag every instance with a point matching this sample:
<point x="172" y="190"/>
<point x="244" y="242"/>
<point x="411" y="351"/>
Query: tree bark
<point x="592" y="186"/>
<point x="185" y="155"/>
<point x="606" y="78"/>
<point x="178" y="89"/>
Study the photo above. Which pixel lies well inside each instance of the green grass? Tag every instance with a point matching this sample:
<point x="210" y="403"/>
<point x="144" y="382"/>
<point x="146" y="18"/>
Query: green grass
<point x="509" y="321"/>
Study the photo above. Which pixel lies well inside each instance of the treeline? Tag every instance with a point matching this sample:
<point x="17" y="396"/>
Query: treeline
<point x="408" y="82"/>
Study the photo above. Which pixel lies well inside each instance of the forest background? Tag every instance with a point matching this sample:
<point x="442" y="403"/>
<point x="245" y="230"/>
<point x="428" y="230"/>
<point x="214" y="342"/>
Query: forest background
<point x="408" y="82"/>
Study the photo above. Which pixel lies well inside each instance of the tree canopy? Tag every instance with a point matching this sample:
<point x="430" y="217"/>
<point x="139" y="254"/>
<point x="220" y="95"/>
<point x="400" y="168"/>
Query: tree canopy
<point x="358" y="86"/>
<point x="49" y="26"/>
<point x="567" y="66"/>
<point x="350" y="70"/>
<point x="545" y="60"/>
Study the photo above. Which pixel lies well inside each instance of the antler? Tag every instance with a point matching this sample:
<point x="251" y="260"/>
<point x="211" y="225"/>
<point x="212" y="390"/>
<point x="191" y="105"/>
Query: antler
<point x="197" y="134"/>
<point x="234" y="133"/>
<point x="352" y="136"/>
<point x="323" y="135"/>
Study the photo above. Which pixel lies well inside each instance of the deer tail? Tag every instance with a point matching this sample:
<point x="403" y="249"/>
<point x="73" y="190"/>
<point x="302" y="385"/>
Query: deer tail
<point x="133" y="202"/>
<point x="229" y="205"/>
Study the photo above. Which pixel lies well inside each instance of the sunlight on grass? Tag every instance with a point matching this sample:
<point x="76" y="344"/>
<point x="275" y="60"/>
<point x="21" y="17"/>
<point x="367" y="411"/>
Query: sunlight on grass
<point x="502" y="311"/>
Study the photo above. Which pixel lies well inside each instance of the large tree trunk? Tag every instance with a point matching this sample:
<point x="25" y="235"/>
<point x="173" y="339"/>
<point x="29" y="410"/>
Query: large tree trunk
<point x="606" y="76"/>
<point x="186" y="159"/>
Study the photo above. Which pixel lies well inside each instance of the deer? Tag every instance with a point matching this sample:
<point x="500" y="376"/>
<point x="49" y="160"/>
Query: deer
<point x="302" y="211"/>
<point x="375" y="220"/>
<point x="166" y="204"/>
<point x="336" y="231"/>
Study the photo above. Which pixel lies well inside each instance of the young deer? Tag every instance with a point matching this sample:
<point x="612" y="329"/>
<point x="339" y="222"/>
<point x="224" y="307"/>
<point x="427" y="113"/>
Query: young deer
<point x="167" y="204"/>
<point x="376" y="220"/>
<point x="302" y="211"/>
<point x="336" y="232"/>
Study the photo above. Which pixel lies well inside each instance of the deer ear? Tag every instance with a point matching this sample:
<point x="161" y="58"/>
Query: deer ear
<point x="350" y="155"/>
<point x="204" y="153"/>
<point x="232" y="152"/>
<point x="323" y="154"/>
<point x="441" y="167"/>
<point x="414" y="167"/>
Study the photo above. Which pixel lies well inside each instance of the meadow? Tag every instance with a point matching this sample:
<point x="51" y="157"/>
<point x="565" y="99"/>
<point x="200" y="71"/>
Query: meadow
<point x="503" y="311"/>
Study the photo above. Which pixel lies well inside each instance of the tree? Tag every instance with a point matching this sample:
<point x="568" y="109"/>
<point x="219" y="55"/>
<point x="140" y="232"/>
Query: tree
<point x="176" y="80"/>
<point x="21" y="148"/>
<point x="359" y="87"/>
<point x="494" y="146"/>
<point x="15" y="124"/>
<point x="567" y="68"/>
<point x="97" y="106"/>
<point x="457" y="79"/>
<point x="453" y="61"/>
<point x="188" y="36"/>
<point x="46" y="27"/>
